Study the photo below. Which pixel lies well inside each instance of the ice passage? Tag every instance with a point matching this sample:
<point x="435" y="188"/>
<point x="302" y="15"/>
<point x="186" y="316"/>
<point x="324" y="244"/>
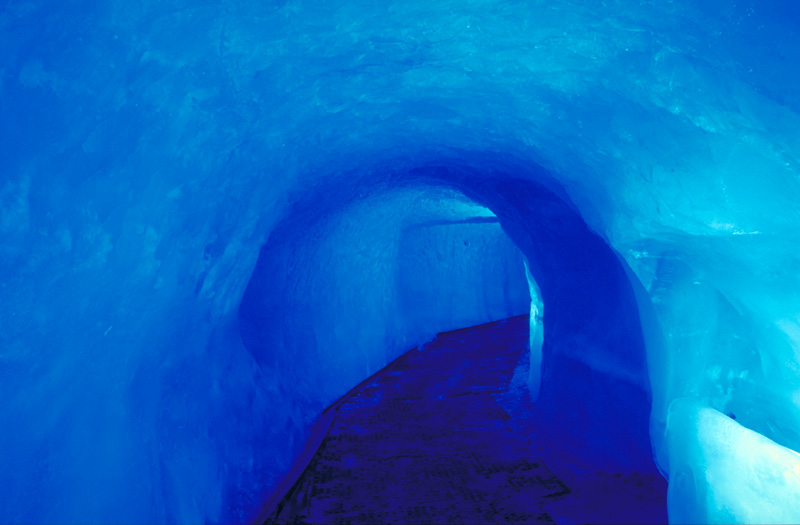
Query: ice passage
<point x="215" y="219"/>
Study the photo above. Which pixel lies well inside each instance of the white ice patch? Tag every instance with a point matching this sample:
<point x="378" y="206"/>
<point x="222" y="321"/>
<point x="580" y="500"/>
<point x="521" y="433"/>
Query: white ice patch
<point x="722" y="472"/>
<point x="536" y="335"/>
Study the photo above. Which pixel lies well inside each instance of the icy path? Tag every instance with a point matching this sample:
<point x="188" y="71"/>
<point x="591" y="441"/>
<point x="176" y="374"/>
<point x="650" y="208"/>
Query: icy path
<point x="446" y="434"/>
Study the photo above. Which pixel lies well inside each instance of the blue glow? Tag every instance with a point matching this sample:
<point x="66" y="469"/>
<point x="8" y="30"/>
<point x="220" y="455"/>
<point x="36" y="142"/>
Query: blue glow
<point x="163" y="165"/>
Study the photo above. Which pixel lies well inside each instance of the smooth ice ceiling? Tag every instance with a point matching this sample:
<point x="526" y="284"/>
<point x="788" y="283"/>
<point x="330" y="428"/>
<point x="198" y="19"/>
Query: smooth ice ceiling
<point x="149" y="149"/>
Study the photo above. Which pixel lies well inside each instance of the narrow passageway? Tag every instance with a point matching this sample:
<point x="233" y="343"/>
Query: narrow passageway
<point x="447" y="434"/>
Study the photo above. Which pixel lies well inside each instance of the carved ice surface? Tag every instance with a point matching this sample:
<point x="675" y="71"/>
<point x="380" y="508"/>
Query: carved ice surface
<point x="536" y="335"/>
<point x="721" y="472"/>
<point x="336" y="301"/>
<point x="643" y="158"/>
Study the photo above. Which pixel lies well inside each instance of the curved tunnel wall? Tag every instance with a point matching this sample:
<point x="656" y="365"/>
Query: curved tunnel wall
<point x="594" y="348"/>
<point x="330" y="303"/>
<point x="149" y="149"/>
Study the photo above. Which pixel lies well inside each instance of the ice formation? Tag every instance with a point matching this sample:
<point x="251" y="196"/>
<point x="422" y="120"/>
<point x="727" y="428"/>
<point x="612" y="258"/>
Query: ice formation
<point x="163" y="162"/>
<point x="722" y="472"/>
<point x="536" y="335"/>
<point x="331" y="303"/>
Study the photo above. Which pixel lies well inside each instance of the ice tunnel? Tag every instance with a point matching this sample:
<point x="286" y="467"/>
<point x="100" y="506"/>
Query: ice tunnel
<point x="217" y="217"/>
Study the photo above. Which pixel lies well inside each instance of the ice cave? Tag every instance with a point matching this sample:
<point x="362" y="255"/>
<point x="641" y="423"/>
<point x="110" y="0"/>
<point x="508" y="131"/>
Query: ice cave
<point x="217" y="218"/>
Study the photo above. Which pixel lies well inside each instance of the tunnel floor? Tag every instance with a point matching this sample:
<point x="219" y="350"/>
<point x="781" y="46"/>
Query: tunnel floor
<point x="447" y="434"/>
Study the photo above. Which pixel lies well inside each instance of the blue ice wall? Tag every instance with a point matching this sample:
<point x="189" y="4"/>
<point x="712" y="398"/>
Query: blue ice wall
<point x="456" y="272"/>
<point x="331" y="302"/>
<point x="147" y="151"/>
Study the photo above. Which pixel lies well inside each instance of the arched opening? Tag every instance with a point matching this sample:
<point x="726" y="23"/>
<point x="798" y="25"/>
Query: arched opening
<point x="595" y="394"/>
<point x="151" y="147"/>
<point x="346" y="288"/>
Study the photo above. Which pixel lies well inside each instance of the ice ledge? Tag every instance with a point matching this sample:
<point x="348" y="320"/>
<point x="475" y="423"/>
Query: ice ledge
<point x="722" y="472"/>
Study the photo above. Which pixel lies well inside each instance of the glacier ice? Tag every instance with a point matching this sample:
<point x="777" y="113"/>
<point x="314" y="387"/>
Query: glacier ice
<point x="329" y="304"/>
<point x="641" y="157"/>
<point x="722" y="472"/>
<point x="536" y="335"/>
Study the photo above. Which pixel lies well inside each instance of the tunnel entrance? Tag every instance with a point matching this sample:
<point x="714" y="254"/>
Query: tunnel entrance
<point x="347" y="292"/>
<point x="595" y="393"/>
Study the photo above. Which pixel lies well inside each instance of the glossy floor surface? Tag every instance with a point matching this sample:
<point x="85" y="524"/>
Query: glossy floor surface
<point x="447" y="434"/>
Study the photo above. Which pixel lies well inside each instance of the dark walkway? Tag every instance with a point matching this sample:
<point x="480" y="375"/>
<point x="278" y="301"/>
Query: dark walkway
<point x="446" y="434"/>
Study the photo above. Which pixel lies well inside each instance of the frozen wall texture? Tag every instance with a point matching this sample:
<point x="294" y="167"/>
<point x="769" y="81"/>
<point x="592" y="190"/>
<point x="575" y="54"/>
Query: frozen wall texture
<point x="332" y="302"/>
<point x="149" y="150"/>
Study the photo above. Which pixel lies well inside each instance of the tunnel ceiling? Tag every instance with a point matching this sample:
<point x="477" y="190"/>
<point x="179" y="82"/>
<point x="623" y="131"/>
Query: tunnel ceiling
<point x="150" y="149"/>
